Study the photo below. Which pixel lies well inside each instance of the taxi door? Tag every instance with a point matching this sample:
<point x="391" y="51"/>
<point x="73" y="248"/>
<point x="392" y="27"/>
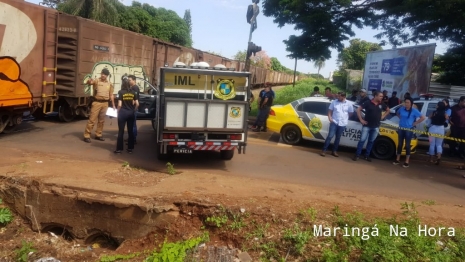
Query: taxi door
<point x="314" y="114"/>
<point x="353" y="131"/>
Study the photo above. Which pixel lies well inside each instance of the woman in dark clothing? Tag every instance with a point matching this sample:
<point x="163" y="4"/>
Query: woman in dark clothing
<point x="438" y="118"/>
<point x="127" y="104"/>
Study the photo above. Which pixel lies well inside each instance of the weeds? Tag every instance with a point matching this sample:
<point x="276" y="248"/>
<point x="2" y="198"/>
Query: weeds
<point x="125" y="164"/>
<point x="22" y="254"/>
<point x="429" y="202"/>
<point x="174" y="252"/>
<point x="217" y="221"/>
<point x="171" y="169"/>
<point x="5" y="215"/>
<point x="297" y="238"/>
<point x="118" y="257"/>
<point x="303" y="88"/>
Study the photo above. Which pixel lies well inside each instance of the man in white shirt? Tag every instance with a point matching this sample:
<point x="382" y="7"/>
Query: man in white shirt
<point x="338" y="114"/>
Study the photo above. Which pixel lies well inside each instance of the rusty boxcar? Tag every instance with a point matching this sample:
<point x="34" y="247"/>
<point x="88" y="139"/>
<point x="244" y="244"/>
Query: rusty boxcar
<point x="59" y="52"/>
<point x="28" y="37"/>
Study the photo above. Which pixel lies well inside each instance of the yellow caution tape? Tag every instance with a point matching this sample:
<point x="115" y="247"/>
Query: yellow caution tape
<point x="425" y="133"/>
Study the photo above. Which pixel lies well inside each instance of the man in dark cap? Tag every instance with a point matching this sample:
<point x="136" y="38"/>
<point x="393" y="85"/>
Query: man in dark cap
<point x="102" y="93"/>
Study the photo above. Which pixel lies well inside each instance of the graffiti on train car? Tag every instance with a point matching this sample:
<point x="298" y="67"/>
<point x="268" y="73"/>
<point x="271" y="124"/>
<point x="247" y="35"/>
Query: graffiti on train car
<point x="15" y="90"/>
<point x="186" y="58"/>
<point x="116" y="72"/>
<point x="14" y="24"/>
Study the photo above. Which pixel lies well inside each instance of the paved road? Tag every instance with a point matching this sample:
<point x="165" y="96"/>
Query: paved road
<point x="266" y="158"/>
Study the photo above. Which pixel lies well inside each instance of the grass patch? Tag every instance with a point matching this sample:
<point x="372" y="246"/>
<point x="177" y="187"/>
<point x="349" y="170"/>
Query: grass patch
<point x="302" y="88"/>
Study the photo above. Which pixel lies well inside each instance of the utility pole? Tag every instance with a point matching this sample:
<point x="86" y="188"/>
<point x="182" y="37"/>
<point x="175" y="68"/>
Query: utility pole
<point x="252" y="13"/>
<point x="295" y="69"/>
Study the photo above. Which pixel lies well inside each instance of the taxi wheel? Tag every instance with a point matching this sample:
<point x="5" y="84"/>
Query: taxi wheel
<point x="383" y="148"/>
<point x="291" y="135"/>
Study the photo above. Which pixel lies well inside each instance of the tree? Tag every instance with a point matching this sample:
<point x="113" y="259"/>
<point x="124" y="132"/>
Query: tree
<point x="104" y="11"/>
<point x="353" y="56"/>
<point x="326" y="24"/>
<point x="276" y="65"/>
<point x="452" y="66"/>
<point x="319" y="63"/>
<point x="240" y="56"/>
<point x="214" y="53"/>
<point x="51" y="3"/>
<point x="261" y="59"/>
<point x="169" y="26"/>
<point x="188" y="20"/>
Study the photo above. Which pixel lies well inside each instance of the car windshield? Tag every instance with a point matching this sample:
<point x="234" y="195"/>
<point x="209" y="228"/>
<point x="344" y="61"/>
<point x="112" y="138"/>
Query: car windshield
<point x="392" y="116"/>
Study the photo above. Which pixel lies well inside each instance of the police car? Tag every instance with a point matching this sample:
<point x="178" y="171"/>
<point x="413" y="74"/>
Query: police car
<point x="426" y="107"/>
<point x="307" y="118"/>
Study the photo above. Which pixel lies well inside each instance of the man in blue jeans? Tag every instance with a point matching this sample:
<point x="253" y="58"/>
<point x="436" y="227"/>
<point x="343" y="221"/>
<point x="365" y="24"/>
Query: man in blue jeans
<point x="373" y="114"/>
<point x="338" y="114"/>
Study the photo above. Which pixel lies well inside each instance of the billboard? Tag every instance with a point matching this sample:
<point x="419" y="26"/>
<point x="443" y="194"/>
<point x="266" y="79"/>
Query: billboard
<point x="403" y="70"/>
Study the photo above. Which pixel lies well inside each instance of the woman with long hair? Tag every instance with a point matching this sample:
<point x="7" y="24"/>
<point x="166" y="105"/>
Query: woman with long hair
<point x="438" y="120"/>
<point x="447" y="106"/>
<point x="408" y="116"/>
<point x="127" y="104"/>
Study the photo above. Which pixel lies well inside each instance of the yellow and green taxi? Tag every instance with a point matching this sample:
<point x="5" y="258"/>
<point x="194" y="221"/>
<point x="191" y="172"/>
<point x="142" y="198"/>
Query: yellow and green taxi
<point x="307" y="118"/>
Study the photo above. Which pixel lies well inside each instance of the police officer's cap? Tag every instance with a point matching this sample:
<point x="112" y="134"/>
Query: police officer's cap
<point x="106" y="72"/>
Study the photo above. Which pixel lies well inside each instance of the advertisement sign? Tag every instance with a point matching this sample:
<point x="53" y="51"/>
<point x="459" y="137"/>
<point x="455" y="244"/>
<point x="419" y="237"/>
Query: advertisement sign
<point x="403" y="70"/>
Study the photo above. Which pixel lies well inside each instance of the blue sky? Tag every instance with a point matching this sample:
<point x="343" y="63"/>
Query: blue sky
<point x="220" y="26"/>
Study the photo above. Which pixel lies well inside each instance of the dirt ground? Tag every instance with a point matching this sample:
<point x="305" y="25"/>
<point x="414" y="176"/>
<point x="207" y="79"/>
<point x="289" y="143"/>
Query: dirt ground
<point x="198" y="195"/>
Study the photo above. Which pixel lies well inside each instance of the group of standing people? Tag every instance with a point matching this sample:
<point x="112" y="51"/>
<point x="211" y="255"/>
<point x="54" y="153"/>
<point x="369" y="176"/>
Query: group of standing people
<point x="264" y="102"/>
<point x="128" y="103"/>
<point x="376" y="109"/>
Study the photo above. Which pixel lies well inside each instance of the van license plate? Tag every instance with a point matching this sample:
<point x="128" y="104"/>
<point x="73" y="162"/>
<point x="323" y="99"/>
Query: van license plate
<point x="182" y="150"/>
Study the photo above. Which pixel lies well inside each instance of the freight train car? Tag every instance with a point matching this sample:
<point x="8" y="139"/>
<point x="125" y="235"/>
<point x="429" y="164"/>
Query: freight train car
<point x="28" y="37"/>
<point x="59" y="52"/>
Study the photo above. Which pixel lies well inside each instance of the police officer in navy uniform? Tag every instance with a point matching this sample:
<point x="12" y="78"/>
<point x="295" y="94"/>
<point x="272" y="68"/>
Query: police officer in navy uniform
<point x="264" y="106"/>
<point x="127" y="104"/>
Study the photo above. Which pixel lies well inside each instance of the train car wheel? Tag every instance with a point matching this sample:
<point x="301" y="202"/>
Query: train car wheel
<point x="38" y="114"/>
<point x="66" y="113"/>
<point x="5" y="124"/>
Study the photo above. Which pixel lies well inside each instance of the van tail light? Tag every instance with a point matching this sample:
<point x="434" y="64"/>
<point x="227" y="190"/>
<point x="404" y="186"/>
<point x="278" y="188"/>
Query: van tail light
<point x="272" y="113"/>
<point x="236" y="137"/>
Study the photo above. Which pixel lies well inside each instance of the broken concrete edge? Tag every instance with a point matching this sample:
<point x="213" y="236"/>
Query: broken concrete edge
<point x="87" y="214"/>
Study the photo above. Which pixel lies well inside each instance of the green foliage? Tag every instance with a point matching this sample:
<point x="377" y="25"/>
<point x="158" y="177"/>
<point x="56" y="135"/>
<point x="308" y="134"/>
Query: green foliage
<point x="188" y="19"/>
<point x="5" y="215"/>
<point x="297" y="238"/>
<point x="276" y="65"/>
<point x="451" y="66"/>
<point x="22" y="253"/>
<point x="240" y="55"/>
<point x="319" y="63"/>
<point x="104" y="11"/>
<point x="429" y="202"/>
<point x="323" y="24"/>
<point x="327" y="24"/>
<point x="403" y="243"/>
<point x="118" y="257"/>
<point x="175" y="252"/>
<point x="170" y="168"/>
<point x="303" y="88"/>
<point x="353" y="56"/>
<point x="140" y="18"/>
<point x="217" y="221"/>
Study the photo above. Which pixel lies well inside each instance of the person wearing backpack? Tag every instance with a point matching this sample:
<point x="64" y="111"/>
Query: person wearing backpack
<point x="407" y="115"/>
<point x="439" y="120"/>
